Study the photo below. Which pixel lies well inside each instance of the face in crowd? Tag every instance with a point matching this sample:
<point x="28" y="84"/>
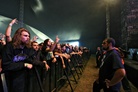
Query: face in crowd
<point x="105" y="45"/>
<point x="108" y="43"/>
<point x="21" y="37"/>
<point x="35" y="46"/>
<point x="25" y="37"/>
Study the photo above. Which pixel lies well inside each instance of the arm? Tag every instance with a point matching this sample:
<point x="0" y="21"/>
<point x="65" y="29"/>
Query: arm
<point x="54" y="45"/>
<point x="34" y="38"/>
<point x="61" y="54"/>
<point x="8" y="30"/>
<point x="46" y="65"/>
<point x="7" y="60"/>
<point x="118" y="76"/>
<point x="61" y="57"/>
<point x="63" y="63"/>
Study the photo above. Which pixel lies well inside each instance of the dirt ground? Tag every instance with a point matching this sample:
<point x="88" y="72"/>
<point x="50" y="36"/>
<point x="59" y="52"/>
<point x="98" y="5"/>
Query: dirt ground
<point x="87" y="78"/>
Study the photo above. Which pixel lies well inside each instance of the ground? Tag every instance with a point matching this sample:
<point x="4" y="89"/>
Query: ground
<point x="87" y="78"/>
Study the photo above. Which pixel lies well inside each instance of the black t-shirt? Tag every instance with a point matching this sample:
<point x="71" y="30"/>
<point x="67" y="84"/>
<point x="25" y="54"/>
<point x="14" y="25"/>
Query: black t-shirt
<point x="14" y="59"/>
<point x="111" y="63"/>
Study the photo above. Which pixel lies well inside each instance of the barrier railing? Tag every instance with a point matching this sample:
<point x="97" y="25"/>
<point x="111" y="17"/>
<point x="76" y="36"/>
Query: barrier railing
<point x="53" y="79"/>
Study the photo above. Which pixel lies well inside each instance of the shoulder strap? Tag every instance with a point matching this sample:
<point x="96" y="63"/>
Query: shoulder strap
<point x="108" y="55"/>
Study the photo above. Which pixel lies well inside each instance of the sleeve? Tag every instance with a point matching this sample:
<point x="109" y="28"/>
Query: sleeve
<point x="36" y="59"/>
<point x="117" y="63"/>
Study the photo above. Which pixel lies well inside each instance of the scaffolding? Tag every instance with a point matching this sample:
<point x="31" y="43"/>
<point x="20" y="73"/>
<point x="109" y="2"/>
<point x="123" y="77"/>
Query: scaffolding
<point x="129" y="23"/>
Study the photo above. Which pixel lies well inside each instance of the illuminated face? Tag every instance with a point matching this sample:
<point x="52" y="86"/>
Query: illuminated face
<point x="105" y="45"/>
<point x="49" y="43"/>
<point x="58" y="46"/>
<point x="35" y="46"/>
<point x="98" y="48"/>
<point x="25" y="37"/>
<point x="64" y="48"/>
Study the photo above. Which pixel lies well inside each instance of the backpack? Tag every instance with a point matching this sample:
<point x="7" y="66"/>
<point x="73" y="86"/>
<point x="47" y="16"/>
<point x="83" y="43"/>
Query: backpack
<point x="121" y="54"/>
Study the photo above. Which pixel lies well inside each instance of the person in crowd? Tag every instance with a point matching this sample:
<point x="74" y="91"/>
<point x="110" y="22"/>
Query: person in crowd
<point x="36" y="73"/>
<point x="67" y="48"/>
<point x="77" y="50"/>
<point x="98" y="56"/>
<point x="39" y="57"/>
<point x="2" y="39"/>
<point x="40" y="45"/>
<point x="58" y="53"/>
<point x="65" y="52"/>
<point x="1" y="49"/>
<point x="2" y="44"/>
<point x="17" y="61"/>
<point x="48" y="48"/>
<point x="111" y="71"/>
<point x="8" y="38"/>
<point x="77" y="54"/>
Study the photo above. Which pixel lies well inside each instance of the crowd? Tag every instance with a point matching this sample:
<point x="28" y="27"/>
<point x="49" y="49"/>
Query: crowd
<point x="23" y="60"/>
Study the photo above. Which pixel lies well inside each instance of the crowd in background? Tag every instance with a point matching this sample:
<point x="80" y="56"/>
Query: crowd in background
<point x="22" y="59"/>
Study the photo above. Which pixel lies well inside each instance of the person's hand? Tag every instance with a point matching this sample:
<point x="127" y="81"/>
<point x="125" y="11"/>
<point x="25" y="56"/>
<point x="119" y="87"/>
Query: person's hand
<point x="35" y="38"/>
<point x="14" y="21"/>
<point x="69" y="60"/>
<point x="3" y="42"/>
<point x="54" y="60"/>
<point x="64" y="66"/>
<point x="107" y="83"/>
<point x="57" y="39"/>
<point x="47" y="67"/>
<point x="29" y="66"/>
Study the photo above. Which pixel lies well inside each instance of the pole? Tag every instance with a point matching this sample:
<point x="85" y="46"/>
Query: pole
<point x="21" y="13"/>
<point x="107" y="20"/>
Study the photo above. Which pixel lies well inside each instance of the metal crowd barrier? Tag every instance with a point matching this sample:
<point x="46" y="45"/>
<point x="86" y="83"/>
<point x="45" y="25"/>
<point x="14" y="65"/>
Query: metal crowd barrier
<point x="53" y="79"/>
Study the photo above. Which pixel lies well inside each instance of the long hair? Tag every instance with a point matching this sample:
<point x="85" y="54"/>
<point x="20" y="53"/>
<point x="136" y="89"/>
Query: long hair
<point x="44" y="47"/>
<point x="16" y="40"/>
<point x="46" y="42"/>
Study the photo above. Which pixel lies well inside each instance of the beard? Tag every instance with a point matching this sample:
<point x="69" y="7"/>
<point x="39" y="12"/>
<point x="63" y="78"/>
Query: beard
<point x="106" y="48"/>
<point x="25" y="42"/>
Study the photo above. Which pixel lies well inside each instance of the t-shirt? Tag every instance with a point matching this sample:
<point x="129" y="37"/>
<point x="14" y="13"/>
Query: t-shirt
<point x="111" y="63"/>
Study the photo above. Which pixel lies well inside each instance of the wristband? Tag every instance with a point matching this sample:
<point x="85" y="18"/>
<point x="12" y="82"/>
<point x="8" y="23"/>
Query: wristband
<point x="26" y="65"/>
<point x="10" y="24"/>
<point x="45" y="62"/>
